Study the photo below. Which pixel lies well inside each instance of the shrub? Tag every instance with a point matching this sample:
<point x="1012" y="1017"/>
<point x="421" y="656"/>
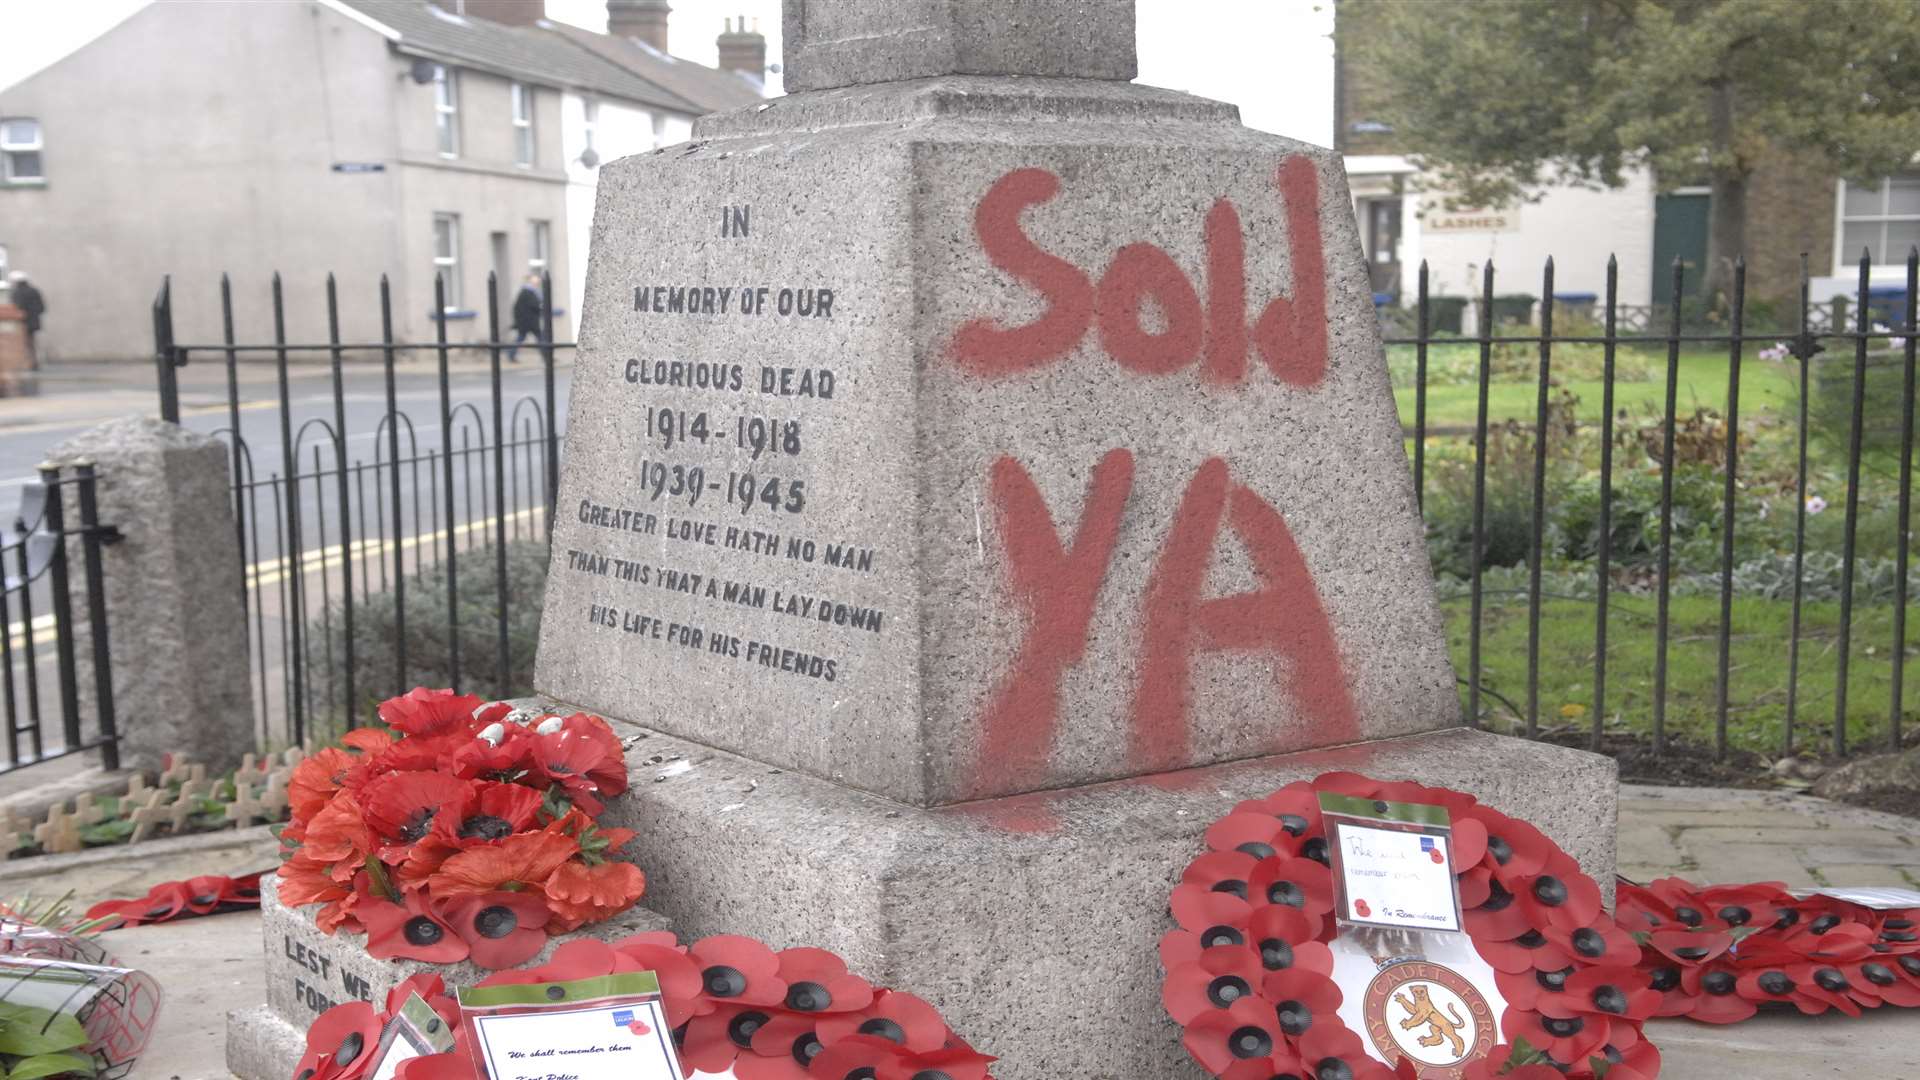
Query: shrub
<point x="375" y="636"/>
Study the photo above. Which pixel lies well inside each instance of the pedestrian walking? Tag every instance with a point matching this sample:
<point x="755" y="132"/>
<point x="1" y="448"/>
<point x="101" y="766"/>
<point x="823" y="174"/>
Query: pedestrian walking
<point x="33" y="305"/>
<point x="528" y="308"/>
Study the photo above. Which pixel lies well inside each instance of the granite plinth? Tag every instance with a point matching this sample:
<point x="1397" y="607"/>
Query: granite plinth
<point x="1031" y="921"/>
<point x="309" y="971"/>
<point x="969" y="437"/>
<point x="831" y="43"/>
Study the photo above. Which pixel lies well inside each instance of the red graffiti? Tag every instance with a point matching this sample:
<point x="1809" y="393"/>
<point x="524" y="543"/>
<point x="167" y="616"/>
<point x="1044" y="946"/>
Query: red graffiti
<point x="1058" y="589"/>
<point x="1290" y="333"/>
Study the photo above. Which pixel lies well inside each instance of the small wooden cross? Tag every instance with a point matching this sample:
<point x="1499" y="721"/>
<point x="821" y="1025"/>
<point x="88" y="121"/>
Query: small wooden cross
<point x="136" y="790"/>
<point x="244" y="808"/>
<point x="148" y="817"/>
<point x="177" y="769"/>
<point x="88" y="811"/>
<point x="60" y="833"/>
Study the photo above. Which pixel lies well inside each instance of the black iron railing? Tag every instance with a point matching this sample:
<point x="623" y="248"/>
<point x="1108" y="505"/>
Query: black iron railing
<point x="1823" y="401"/>
<point x="37" y="610"/>
<point x="340" y="532"/>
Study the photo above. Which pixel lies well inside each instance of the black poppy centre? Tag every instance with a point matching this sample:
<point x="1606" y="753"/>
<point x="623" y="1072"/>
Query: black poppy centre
<point x="485" y="827"/>
<point x="724" y="982"/>
<point x="1226" y="990"/>
<point x="1250" y="1042"/>
<point x="422" y="931"/>
<point x="495" y="922"/>
<point x="741" y="1029"/>
<point x="882" y="1028"/>
<point x="1295" y="1017"/>
<point x="808" y="997"/>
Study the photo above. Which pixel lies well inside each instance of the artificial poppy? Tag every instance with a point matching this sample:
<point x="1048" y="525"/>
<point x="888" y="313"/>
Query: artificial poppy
<point x="901" y="1020"/>
<point x="1296" y="807"/>
<point x="1256" y="834"/>
<point x="782" y="1049"/>
<point x="401" y="807"/>
<point x="1531" y="951"/>
<point x="1560" y="896"/>
<point x="715" y="1039"/>
<point x="680" y="983"/>
<point x="1205" y="912"/>
<point x="1299" y="882"/>
<point x="1221" y="977"/>
<point x="1243" y="1031"/>
<point x="852" y="1056"/>
<point x="1714" y="987"/>
<point x="498" y="751"/>
<point x="1879" y="980"/>
<point x="410" y="930"/>
<point x="368" y="741"/>
<point x="162" y="903"/>
<point x="1819" y="986"/>
<point x="1220" y="871"/>
<point x="1330" y="1051"/>
<point x="957" y="1062"/>
<point x="1515" y="849"/>
<point x="303" y="880"/>
<point x="579" y="893"/>
<point x="1284" y="937"/>
<point x="1619" y="994"/>
<point x="818" y="982"/>
<point x="573" y="761"/>
<point x="738" y="971"/>
<point x="495" y="812"/>
<point x="1499" y="917"/>
<point x="611" y="774"/>
<point x="342" y="1042"/>
<point x="1302" y="1000"/>
<point x="1602" y="943"/>
<point x="501" y="929"/>
<point x="421" y="711"/>
<point x="316" y="779"/>
<point x="524" y="861"/>
<point x="1563" y="1034"/>
<point x="338" y="837"/>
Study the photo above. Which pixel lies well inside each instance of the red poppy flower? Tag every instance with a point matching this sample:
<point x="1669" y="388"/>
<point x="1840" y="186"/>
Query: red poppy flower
<point x="301" y="880"/>
<point x="1296" y="808"/>
<point x="1715" y="989"/>
<point x="1880" y="980"/>
<point x="1257" y="835"/>
<point x="680" y="983"/>
<point x="401" y="807"/>
<point x="338" y="837"/>
<point x="1243" y="1031"/>
<point x="1284" y="937"/>
<point x="1333" y="1050"/>
<point x="1569" y="1037"/>
<point x="1641" y="1061"/>
<point x="782" y="1049"/>
<point x="1603" y="943"/>
<point x="852" y="1055"/>
<point x="818" y="982"/>
<point x="1498" y="918"/>
<point x="1560" y="896"/>
<point x="572" y="761"/>
<point x="341" y="1043"/>
<point x="1531" y="951"/>
<point x="1820" y="986"/>
<point x="1200" y="910"/>
<point x="501" y="929"/>
<point x="421" y="711"/>
<point x="1301" y="1000"/>
<point x="495" y="812"/>
<point x="1297" y="882"/>
<point x="716" y="1039"/>
<point x="161" y="903"/>
<point x="738" y="970"/>
<point x="1220" y="871"/>
<point x="316" y="779"/>
<point x="960" y="1062"/>
<point x="523" y="861"/>
<point x="1611" y="992"/>
<point x="409" y="931"/>
<point x="1515" y="849"/>
<point x="368" y="741"/>
<point x="1222" y="977"/>
<point x="1759" y="904"/>
<point x="580" y="894"/>
<point x="611" y="775"/>
<point x="897" y="1019"/>
<point x="1638" y="909"/>
<point x="1690" y="949"/>
<point x="482" y="757"/>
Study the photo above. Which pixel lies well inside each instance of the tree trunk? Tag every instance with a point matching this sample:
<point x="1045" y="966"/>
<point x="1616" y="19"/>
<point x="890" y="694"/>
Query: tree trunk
<point x="1727" y="223"/>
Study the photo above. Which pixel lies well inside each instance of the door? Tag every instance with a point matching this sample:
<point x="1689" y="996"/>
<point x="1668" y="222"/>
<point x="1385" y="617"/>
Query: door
<point x="1380" y="229"/>
<point x="504" y="275"/>
<point x="1679" y="228"/>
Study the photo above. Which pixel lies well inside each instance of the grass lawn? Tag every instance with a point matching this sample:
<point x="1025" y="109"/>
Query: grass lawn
<point x="1757" y="709"/>
<point x="1703" y="384"/>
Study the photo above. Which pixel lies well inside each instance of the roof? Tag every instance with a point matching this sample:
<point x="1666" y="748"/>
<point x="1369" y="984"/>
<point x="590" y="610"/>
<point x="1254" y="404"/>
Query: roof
<point x="535" y="54"/>
<point x="709" y="89"/>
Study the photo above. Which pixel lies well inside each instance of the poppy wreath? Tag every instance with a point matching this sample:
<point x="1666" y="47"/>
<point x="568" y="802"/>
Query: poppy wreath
<point x="734" y="1003"/>
<point x="1249" y="974"/>
<point x="1719" y="953"/>
<point x="211" y="894"/>
<point x="453" y="832"/>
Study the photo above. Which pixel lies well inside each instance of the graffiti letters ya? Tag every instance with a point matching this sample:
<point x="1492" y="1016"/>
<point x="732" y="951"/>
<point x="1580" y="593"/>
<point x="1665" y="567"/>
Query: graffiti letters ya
<point x="1058" y="583"/>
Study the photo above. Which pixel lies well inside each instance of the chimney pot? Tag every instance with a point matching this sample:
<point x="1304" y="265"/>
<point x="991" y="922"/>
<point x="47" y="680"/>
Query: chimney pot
<point x="743" y="50"/>
<point x="642" y="19"/>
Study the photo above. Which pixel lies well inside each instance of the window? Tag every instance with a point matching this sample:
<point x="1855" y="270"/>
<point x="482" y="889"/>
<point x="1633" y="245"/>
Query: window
<point x="446" y="257"/>
<point x="537" y="247"/>
<point x="1882" y="216"/>
<point x="446" y="109"/>
<point x="20" y="151"/>
<point x="592" y="108"/>
<point x="522" y="125"/>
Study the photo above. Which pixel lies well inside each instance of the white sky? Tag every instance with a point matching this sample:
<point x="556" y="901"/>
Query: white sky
<point x="1273" y="58"/>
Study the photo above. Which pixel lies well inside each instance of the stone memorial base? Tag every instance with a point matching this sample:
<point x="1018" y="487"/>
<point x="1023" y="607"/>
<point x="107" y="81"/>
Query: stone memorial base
<point x="309" y="971"/>
<point x="1032" y="922"/>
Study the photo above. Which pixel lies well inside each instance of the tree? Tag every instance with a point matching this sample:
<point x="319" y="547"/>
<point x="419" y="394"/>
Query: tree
<point x="1500" y="98"/>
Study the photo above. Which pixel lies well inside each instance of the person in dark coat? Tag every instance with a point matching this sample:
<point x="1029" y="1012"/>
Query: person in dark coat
<point x="528" y="307"/>
<point x="33" y="305"/>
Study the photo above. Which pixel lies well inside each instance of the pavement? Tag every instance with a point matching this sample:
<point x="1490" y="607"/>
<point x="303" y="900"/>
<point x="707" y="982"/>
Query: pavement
<point x="211" y="965"/>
